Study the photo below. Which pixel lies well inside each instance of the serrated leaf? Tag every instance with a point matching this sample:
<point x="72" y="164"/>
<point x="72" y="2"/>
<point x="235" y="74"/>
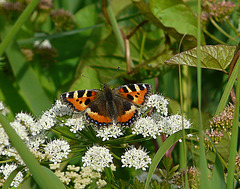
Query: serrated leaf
<point x="216" y="57"/>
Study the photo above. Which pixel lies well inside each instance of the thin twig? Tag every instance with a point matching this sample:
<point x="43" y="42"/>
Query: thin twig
<point x="127" y="51"/>
<point x="136" y="28"/>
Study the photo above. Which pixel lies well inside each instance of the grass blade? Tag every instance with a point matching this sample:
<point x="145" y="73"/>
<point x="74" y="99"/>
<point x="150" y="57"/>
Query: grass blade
<point x="45" y="178"/>
<point x="161" y="152"/>
<point x="27" y="80"/>
<point x="234" y="137"/>
<point x="227" y="90"/>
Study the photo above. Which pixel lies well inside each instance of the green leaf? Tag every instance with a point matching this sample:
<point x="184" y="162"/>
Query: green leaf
<point x="218" y="180"/>
<point x="30" y="87"/>
<point x="11" y="96"/>
<point x="228" y="89"/>
<point x="223" y="147"/>
<point x="216" y="57"/>
<point x="29" y="183"/>
<point x="234" y="136"/>
<point x="170" y="24"/>
<point x="90" y="81"/>
<point x="175" y="14"/>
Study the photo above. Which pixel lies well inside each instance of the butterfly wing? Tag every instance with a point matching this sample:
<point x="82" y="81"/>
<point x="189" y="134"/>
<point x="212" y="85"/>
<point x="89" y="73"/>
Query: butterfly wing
<point x="97" y="114"/>
<point x="127" y="113"/>
<point x="135" y="93"/>
<point x="130" y="96"/>
<point x="79" y="100"/>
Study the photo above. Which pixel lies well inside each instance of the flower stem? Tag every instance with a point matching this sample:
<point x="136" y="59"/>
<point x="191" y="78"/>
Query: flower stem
<point x="221" y="30"/>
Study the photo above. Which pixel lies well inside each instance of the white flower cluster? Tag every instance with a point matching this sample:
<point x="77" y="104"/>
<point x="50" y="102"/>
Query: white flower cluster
<point x="7" y="169"/>
<point x="97" y="157"/>
<point x="136" y="158"/>
<point x="23" y="125"/>
<point x="32" y="132"/>
<point x="80" y="179"/>
<point x="112" y="131"/>
<point x="146" y="126"/>
<point x="48" y="118"/>
<point x="57" y="150"/>
<point x="159" y="102"/>
<point x="3" y="109"/>
<point x="173" y="124"/>
<point x="159" y="123"/>
<point x="76" y="123"/>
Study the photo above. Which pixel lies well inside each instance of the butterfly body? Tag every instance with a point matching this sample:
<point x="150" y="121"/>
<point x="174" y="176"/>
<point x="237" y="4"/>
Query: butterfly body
<point x="108" y="106"/>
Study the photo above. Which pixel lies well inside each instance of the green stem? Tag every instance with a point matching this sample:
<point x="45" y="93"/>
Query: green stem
<point x="183" y="157"/>
<point x="115" y="27"/>
<point x="142" y="47"/>
<point x="234" y="138"/>
<point x="227" y="90"/>
<point x="213" y="37"/>
<point x="114" y="155"/>
<point x="203" y="161"/>
<point x="23" y="17"/>
<point x="233" y="28"/>
<point x="221" y="30"/>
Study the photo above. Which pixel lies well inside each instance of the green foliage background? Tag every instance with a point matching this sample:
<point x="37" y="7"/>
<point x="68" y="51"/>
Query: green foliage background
<point x="92" y="48"/>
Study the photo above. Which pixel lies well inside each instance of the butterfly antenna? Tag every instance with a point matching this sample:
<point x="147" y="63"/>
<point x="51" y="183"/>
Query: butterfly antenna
<point x="115" y="73"/>
<point x="92" y="79"/>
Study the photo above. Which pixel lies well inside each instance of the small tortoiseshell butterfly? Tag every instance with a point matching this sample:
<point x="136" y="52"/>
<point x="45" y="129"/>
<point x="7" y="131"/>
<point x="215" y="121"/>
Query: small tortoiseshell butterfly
<point x="108" y="106"/>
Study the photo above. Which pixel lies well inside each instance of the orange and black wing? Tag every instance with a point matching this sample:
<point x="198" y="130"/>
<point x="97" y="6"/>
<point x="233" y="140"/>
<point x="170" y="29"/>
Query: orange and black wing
<point x="136" y="93"/>
<point x="97" y="114"/>
<point x="127" y="113"/>
<point x="131" y="95"/>
<point x="79" y="100"/>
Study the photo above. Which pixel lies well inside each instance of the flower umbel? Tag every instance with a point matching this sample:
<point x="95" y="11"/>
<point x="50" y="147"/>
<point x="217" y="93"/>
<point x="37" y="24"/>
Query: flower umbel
<point x="76" y="123"/>
<point x="173" y="124"/>
<point x="147" y="127"/>
<point x="159" y="102"/>
<point x="136" y="158"/>
<point x="112" y="131"/>
<point x="7" y="169"/>
<point x="63" y="20"/>
<point x="224" y="120"/>
<point x="97" y="157"/>
<point x="56" y="150"/>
